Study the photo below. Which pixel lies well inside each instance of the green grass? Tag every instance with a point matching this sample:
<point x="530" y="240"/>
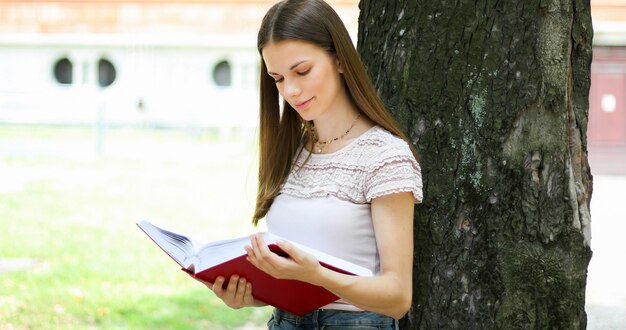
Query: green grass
<point x="74" y="213"/>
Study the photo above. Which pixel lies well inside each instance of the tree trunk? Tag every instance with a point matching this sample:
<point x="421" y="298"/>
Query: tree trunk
<point x="494" y="95"/>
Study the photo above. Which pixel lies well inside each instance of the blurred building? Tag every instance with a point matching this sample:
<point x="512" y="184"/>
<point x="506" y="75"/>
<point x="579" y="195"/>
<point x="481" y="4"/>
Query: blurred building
<point x="189" y="63"/>
<point x="193" y="63"/>
<point x="607" y="98"/>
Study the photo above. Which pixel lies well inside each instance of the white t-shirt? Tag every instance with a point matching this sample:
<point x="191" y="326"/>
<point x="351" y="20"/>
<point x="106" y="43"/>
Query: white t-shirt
<point x="325" y="203"/>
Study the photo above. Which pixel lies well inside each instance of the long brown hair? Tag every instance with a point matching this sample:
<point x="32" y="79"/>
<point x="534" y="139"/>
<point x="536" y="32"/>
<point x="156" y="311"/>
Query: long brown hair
<point x="282" y="132"/>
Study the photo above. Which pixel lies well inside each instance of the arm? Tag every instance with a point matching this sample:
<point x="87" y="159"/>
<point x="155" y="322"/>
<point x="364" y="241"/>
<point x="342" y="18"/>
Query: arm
<point x="387" y="293"/>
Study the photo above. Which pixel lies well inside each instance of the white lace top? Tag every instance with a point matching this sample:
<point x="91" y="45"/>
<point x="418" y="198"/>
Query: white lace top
<point x="325" y="203"/>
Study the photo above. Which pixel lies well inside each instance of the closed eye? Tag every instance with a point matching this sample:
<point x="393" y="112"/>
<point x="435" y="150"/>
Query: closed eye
<point x="304" y="73"/>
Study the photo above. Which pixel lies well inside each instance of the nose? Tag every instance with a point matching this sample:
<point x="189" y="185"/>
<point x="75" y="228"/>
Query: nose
<point x="292" y="89"/>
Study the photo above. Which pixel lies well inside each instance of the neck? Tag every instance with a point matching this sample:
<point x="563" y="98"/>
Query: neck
<point x="331" y="127"/>
<point x="320" y="144"/>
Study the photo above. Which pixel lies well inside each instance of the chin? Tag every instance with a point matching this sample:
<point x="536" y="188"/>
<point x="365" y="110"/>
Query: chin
<point x="306" y="115"/>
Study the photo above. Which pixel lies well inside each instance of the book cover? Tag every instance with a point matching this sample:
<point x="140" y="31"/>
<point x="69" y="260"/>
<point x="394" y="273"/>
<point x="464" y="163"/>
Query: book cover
<point x="227" y="258"/>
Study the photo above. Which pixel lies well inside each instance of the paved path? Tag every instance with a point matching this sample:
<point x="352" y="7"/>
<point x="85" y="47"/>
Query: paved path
<point x="606" y="285"/>
<point x="11" y="265"/>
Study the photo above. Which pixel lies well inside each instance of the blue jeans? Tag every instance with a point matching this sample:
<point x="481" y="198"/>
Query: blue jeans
<point x="329" y="319"/>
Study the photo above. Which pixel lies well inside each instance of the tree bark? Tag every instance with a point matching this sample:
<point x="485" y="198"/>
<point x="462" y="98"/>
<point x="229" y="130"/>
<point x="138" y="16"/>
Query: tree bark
<point x="494" y="95"/>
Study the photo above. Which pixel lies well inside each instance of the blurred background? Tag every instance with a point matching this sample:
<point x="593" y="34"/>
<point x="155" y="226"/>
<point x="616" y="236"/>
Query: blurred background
<point x="116" y="111"/>
<point x="111" y="112"/>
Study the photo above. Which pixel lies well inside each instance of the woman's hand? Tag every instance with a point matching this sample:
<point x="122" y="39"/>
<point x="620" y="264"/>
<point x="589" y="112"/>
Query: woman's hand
<point x="237" y="294"/>
<point x="299" y="265"/>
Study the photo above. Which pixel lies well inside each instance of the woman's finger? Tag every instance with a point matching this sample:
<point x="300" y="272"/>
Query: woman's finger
<point x="217" y="287"/>
<point x="294" y="253"/>
<point x="247" y="298"/>
<point x="262" y="257"/>
<point x="257" y="246"/>
<point x="241" y="290"/>
<point x="231" y="289"/>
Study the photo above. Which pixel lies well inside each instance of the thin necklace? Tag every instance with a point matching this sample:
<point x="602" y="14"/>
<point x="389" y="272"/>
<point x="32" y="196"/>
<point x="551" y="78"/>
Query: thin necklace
<point x="319" y="146"/>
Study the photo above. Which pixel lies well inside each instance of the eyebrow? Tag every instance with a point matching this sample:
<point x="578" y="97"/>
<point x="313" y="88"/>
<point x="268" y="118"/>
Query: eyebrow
<point x="291" y="68"/>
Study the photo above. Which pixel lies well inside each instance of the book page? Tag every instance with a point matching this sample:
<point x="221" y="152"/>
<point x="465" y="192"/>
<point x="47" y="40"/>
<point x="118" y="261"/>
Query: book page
<point x="217" y="252"/>
<point x="179" y="247"/>
<point x="182" y="249"/>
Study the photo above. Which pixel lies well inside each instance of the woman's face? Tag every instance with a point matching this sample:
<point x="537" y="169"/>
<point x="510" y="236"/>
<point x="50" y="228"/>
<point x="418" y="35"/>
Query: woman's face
<point x="307" y="77"/>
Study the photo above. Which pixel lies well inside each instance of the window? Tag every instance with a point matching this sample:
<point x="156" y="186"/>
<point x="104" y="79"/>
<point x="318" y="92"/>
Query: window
<point x="106" y="73"/>
<point x="63" y="71"/>
<point x="222" y="74"/>
<point x="608" y="103"/>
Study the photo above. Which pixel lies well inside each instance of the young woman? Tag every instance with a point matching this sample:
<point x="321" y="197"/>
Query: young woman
<point x="336" y="173"/>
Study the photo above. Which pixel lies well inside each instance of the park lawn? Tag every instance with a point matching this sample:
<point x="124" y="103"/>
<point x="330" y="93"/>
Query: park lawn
<point x="74" y="217"/>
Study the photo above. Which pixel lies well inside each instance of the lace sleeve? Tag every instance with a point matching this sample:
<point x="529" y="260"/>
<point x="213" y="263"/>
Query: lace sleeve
<point x="394" y="171"/>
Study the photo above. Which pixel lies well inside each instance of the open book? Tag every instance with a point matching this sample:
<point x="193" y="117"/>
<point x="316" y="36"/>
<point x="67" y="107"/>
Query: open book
<point x="228" y="257"/>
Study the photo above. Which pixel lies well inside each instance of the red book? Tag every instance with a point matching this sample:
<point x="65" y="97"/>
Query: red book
<point x="228" y="257"/>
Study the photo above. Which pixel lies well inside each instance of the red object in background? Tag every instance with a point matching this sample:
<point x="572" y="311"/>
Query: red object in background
<point x="607" y="98"/>
<point x="606" y="132"/>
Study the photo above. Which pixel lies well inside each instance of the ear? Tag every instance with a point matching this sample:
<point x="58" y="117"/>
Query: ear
<point x="338" y="63"/>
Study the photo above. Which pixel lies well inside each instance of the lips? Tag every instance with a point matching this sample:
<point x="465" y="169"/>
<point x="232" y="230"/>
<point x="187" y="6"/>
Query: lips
<point x="303" y="104"/>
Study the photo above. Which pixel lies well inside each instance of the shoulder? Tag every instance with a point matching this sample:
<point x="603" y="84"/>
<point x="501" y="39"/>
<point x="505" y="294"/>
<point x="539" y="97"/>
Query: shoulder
<point x="378" y="136"/>
<point x="380" y="145"/>
<point x="392" y="167"/>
